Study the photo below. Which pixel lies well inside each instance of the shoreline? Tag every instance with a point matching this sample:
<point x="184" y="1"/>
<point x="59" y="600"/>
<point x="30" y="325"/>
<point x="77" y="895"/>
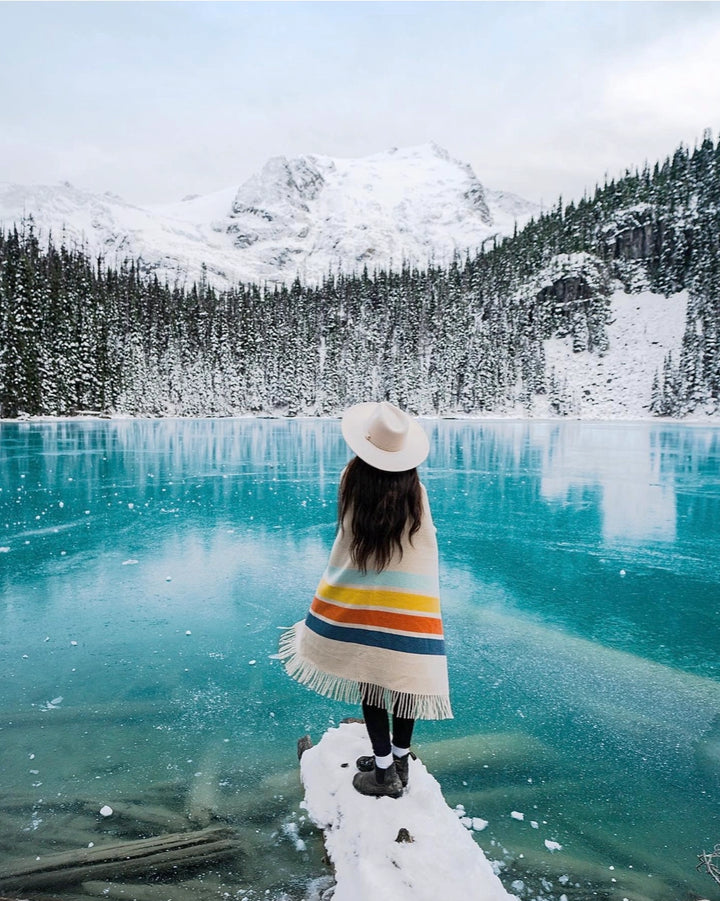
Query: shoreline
<point x="705" y="420"/>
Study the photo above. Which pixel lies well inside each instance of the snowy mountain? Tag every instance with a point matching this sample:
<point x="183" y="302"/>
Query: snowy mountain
<point x="302" y="217"/>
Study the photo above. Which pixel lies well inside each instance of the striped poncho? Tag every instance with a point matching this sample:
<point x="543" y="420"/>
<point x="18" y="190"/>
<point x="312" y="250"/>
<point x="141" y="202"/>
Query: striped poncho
<point x="379" y="630"/>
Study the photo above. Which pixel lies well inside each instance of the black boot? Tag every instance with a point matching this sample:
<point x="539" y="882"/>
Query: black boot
<point x="378" y="782"/>
<point x="402" y="766"/>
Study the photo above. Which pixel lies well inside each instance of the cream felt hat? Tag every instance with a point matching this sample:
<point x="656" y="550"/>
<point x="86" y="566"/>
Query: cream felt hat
<point x="384" y="436"/>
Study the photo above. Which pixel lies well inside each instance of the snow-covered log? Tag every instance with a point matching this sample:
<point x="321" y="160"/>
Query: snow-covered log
<point x="410" y="849"/>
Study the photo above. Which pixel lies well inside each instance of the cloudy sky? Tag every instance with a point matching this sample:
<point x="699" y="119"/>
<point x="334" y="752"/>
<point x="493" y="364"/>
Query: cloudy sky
<point x="154" y="101"/>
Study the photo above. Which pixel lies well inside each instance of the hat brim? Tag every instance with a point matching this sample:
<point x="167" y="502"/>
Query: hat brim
<point x="354" y="430"/>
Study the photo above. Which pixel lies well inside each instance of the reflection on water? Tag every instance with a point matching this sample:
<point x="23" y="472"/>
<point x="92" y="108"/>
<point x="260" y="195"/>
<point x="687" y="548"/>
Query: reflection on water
<point x="637" y="503"/>
<point x="146" y="571"/>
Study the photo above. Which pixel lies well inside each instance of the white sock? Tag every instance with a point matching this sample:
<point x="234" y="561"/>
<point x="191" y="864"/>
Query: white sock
<point x="383" y="763"/>
<point x="400" y="752"/>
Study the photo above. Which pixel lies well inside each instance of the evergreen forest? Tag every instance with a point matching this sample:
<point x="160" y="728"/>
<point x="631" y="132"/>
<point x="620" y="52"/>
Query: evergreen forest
<point x="77" y="335"/>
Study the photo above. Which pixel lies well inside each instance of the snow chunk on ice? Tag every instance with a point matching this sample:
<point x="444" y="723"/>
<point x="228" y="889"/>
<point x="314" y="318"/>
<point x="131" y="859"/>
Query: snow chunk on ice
<point x="442" y="861"/>
<point x="106" y="811"/>
<point x="291" y="831"/>
<point x="516" y="815"/>
<point x="552" y="846"/>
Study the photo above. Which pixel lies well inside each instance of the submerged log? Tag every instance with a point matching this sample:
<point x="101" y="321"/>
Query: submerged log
<point x="509" y="752"/>
<point x="127" y="891"/>
<point x="267" y="800"/>
<point x="205" y="889"/>
<point x="201" y="803"/>
<point x="37" y="898"/>
<point x="134" y="858"/>
<point x="44" y="898"/>
<point x="139" y="817"/>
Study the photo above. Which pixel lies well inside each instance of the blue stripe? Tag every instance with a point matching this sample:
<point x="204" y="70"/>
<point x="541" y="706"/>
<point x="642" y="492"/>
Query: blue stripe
<point x="389" y="640"/>
<point x="413" y="583"/>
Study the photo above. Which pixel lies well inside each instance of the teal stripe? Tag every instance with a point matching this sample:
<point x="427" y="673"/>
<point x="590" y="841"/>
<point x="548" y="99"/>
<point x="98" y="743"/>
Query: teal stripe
<point x="410" y="582"/>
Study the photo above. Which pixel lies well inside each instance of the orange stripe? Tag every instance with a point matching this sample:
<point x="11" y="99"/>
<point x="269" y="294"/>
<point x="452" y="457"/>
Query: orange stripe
<point x="401" y="622"/>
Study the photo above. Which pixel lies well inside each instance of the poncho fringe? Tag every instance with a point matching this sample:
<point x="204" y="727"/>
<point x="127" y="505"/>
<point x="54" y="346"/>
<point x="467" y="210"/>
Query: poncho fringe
<point x="340" y="688"/>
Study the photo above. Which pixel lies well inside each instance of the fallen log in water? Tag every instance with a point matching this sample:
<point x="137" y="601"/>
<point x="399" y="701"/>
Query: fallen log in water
<point x="138" y="816"/>
<point x="128" y="859"/>
<point x="132" y="892"/>
<point x="508" y="752"/>
<point x="44" y="898"/>
<point x="204" y="889"/>
<point x="270" y="799"/>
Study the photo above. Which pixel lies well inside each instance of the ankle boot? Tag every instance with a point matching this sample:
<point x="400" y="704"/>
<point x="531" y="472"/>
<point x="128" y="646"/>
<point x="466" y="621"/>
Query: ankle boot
<point x="402" y="766"/>
<point x="379" y="783"/>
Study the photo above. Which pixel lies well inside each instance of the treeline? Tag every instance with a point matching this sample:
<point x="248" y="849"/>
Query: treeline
<point x="76" y="335"/>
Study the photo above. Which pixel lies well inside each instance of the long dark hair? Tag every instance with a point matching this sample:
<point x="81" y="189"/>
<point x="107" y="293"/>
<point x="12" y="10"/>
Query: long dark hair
<point x="381" y="506"/>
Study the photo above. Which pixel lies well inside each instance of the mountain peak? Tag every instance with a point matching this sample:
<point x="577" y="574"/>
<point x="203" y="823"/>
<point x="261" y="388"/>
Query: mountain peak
<point x="301" y="216"/>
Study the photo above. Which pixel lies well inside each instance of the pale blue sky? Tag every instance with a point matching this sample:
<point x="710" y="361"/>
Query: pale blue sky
<point x="157" y="100"/>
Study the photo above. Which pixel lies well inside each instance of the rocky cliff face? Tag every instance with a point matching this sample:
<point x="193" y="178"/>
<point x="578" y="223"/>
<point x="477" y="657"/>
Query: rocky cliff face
<point x="297" y="217"/>
<point x="633" y="234"/>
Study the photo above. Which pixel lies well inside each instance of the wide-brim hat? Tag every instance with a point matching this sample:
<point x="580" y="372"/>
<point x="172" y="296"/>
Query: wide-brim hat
<point x="384" y="436"/>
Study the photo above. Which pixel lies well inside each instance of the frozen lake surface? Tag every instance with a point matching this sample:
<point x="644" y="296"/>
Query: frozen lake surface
<point x="146" y="571"/>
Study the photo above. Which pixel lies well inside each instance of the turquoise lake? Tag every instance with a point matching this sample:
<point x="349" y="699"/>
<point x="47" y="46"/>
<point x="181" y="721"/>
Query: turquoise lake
<point x="148" y="567"/>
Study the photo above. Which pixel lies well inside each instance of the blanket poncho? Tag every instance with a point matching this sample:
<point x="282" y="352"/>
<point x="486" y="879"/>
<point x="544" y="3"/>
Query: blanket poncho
<point x="379" y="629"/>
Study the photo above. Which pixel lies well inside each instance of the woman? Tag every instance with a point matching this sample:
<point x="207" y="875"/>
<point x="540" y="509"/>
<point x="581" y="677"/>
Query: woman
<point x="374" y="629"/>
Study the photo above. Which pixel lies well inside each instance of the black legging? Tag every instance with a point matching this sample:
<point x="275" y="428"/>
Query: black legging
<point x="378" y="727"/>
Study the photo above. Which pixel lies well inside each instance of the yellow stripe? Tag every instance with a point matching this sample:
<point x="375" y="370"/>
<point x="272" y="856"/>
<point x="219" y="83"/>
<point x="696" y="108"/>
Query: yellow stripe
<point x="393" y="600"/>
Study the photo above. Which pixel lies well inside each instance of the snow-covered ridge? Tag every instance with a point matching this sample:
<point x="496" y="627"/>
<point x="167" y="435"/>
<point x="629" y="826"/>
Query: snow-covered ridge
<point x="296" y="217"/>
